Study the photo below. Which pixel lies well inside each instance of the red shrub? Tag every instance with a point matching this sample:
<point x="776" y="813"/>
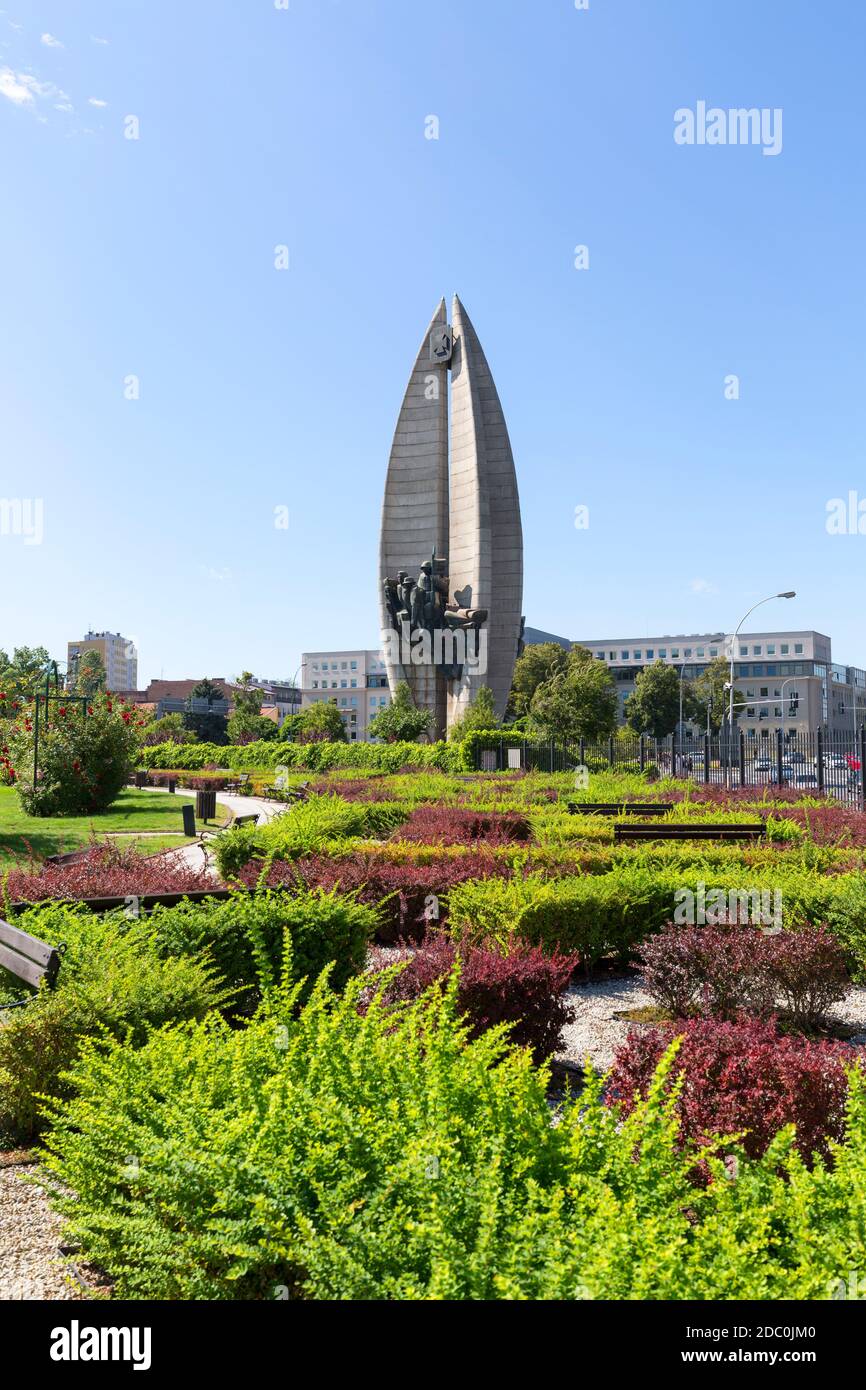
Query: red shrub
<point x="415" y="893"/>
<point x="727" y="970"/>
<point x="432" y="825"/>
<point x="107" y="872"/>
<point x="353" y="789"/>
<point x="193" y="781"/>
<point x="742" y="1076"/>
<point x="524" y="988"/>
<point x="828" y="825"/>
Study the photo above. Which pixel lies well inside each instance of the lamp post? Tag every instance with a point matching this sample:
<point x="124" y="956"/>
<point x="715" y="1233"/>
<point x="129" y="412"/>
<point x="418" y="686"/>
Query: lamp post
<point x="787" y="593"/>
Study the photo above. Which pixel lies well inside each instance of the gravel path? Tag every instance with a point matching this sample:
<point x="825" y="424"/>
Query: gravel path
<point x="597" y="1033"/>
<point x="31" y="1266"/>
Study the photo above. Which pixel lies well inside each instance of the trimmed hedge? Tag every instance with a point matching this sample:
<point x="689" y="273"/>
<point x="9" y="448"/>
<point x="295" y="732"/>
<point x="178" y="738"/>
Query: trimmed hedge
<point x="315" y="757"/>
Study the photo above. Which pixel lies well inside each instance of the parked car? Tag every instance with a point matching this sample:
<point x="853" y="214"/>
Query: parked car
<point x="796" y="757"/>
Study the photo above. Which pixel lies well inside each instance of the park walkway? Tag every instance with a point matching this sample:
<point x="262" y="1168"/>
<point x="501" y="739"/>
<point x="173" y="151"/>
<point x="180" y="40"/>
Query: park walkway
<point x="192" y="855"/>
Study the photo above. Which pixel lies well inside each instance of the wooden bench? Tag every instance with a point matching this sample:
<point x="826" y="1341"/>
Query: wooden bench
<point x="252" y="819"/>
<point x="678" y="831"/>
<point x="28" y="958"/>
<point x="75" y="856"/>
<point x="619" y="808"/>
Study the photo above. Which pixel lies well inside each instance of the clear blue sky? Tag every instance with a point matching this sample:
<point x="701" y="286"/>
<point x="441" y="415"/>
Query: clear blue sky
<point x="262" y="388"/>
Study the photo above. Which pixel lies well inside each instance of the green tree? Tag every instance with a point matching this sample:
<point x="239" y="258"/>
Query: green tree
<point x="400" y="722"/>
<point x="321" y="723"/>
<point x="90" y="677"/>
<point x="210" y="726"/>
<point x="248" y="697"/>
<point x="654" y="705"/>
<point x="245" y="727"/>
<point x="710" y="695"/>
<point x="536" y="664"/>
<point x="480" y="715"/>
<point x="579" y="702"/>
<point x="19" y="674"/>
<point x="169" y="729"/>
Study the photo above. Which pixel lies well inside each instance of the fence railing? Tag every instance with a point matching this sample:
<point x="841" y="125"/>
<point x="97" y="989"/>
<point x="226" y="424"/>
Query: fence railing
<point x="827" y="764"/>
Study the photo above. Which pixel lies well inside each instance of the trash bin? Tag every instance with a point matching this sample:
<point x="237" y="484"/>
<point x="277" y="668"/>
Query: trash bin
<point x="188" y="820"/>
<point x="205" y="805"/>
<point x="141" y="779"/>
<point x="172" y="784"/>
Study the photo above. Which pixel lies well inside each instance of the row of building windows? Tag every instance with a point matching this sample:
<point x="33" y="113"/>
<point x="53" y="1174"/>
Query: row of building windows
<point x="784" y="649"/>
<point x="660" y="654"/>
<point x="347" y="665"/>
<point x="373" y="683"/>
<point x="687" y="653"/>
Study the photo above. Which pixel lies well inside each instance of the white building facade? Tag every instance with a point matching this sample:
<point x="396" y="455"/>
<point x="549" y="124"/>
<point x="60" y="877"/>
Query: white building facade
<point x="355" y="681"/>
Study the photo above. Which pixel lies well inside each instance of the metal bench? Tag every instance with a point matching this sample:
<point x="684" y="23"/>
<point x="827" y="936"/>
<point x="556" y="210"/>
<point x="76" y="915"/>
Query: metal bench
<point x="619" y="808"/>
<point x="28" y="958"/>
<point x="240" y="783"/>
<point x="675" y="831"/>
<point x="252" y="819"/>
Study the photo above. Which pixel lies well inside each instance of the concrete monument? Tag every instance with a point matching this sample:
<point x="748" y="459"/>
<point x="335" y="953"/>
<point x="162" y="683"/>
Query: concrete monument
<point x="451" y="546"/>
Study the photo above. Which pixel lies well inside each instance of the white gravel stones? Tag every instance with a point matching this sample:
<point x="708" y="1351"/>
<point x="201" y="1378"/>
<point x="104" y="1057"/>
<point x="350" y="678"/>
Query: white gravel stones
<point x="31" y="1266"/>
<point x="597" y="1033"/>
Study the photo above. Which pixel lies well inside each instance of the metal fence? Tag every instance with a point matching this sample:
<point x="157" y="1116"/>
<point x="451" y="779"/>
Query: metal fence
<point x="827" y="764"/>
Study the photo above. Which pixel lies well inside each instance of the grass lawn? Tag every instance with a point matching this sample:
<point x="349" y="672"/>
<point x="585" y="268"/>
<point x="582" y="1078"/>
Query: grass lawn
<point x="133" y="810"/>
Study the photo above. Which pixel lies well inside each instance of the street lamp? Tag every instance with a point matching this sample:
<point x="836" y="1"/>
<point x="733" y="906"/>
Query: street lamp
<point x="787" y="593"/>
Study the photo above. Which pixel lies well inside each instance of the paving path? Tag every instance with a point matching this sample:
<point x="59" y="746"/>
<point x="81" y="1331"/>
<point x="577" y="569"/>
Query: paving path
<point x="191" y="855"/>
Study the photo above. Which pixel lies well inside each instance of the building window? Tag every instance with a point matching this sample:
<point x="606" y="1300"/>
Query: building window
<point x="798" y="648"/>
<point x="714" y="651"/>
<point x="353" y="684"/>
<point x="344" y="685"/>
<point x="353" y="665"/>
<point x="637" y="656"/>
<point x="700" y="651"/>
<point x="611" y="656"/>
<point x="756" y="651"/>
<point x="771" y="649"/>
<point x="675" y="651"/>
<point x="649" y="653"/>
<point x="623" y="656"/>
<point x="663" y="651"/>
<point x="784" y="649"/>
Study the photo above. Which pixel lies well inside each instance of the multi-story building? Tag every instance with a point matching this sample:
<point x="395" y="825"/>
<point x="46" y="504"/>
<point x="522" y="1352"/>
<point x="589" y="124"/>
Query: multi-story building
<point x="784" y="680"/>
<point x="280" y="698"/>
<point x="118" y="654"/>
<point x="355" y="681"/>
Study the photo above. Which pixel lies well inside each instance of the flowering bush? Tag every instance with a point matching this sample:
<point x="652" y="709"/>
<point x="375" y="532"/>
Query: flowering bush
<point x="107" y="871"/>
<point x="84" y="759"/>
<point x="523" y="988"/>
<point x="725" y="970"/>
<point x="743" y="1076"/>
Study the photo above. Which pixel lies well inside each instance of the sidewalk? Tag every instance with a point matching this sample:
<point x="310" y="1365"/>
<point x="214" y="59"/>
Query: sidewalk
<point x="191" y="855"/>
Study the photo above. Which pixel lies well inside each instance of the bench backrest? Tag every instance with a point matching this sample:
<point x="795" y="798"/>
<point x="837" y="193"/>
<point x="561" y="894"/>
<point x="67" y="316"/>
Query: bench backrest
<point x="247" y="820"/>
<point x="26" y="956"/>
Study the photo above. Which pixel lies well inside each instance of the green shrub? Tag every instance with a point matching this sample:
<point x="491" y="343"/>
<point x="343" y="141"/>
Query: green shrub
<point x="305" y="829"/>
<point x="325" y="1155"/>
<point x="245" y="935"/>
<point x="596" y="915"/>
<point x="112" y="978"/>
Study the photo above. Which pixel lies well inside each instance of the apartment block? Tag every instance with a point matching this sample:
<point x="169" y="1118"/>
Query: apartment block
<point x="355" y="681"/>
<point x="119" y="657"/>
